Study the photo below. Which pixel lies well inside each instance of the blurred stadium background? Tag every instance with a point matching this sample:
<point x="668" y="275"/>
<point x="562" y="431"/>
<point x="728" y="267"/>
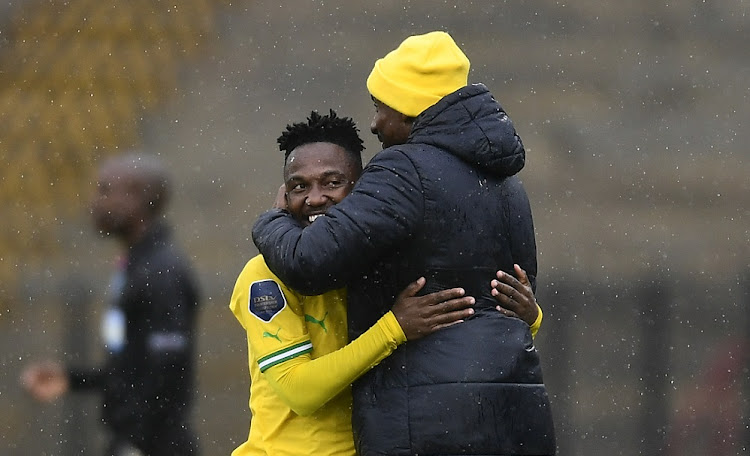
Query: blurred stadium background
<point x="635" y="118"/>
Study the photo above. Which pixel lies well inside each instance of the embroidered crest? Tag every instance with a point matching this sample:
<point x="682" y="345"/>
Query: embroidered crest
<point x="266" y="299"/>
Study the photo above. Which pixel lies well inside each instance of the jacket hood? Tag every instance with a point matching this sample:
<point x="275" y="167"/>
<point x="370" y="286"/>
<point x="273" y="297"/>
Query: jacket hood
<point x="470" y="124"/>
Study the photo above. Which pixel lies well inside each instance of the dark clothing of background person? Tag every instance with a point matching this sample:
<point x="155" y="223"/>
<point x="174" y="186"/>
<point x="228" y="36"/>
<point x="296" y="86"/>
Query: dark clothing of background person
<point x="446" y="202"/>
<point x="147" y="382"/>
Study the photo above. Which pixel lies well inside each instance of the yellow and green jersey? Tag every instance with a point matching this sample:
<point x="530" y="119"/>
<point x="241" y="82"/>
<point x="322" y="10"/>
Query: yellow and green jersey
<point x="301" y="367"/>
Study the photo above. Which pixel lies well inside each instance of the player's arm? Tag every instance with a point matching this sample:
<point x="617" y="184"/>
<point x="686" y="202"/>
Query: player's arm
<point x="305" y="384"/>
<point x="516" y="299"/>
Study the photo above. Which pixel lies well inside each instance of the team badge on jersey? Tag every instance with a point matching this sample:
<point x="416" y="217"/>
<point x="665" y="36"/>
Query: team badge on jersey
<point x="266" y="299"/>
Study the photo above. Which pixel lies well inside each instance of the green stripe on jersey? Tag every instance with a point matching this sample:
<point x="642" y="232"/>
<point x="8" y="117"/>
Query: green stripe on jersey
<point x="283" y="355"/>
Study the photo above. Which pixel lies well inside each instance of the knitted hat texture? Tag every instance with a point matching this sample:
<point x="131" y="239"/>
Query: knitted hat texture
<point x="419" y="72"/>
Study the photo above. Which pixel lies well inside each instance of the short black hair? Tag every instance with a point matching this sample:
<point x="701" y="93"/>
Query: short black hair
<point x="333" y="129"/>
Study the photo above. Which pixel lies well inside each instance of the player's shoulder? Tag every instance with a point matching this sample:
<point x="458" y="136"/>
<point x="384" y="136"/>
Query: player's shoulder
<point x="256" y="269"/>
<point x="260" y="292"/>
<point x="256" y="276"/>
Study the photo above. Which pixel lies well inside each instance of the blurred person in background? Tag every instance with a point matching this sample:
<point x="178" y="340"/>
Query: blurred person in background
<point x="148" y="328"/>
<point x="441" y="200"/>
<point x="301" y="367"/>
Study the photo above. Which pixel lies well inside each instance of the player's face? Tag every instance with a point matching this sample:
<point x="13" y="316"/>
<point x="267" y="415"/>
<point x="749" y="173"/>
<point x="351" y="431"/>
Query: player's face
<point x="389" y="125"/>
<point x="317" y="176"/>
<point x="117" y="203"/>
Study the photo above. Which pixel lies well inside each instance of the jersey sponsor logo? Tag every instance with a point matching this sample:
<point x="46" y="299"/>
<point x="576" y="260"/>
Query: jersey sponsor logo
<point x="271" y="335"/>
<point x="284" y="354"/>
<point x="321" y="322"/>
<point x="266" y="299"/>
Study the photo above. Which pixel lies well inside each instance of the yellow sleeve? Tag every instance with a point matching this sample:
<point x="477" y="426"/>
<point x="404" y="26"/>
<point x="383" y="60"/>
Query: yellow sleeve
<point x="305" y="384"/>
<point x="537" y="323"/>
<point x="271" y="314"/>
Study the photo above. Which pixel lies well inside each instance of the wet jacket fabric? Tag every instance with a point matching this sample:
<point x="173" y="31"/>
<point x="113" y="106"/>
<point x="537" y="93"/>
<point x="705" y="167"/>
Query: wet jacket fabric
<point x="446" y="205"/>
<point x="148" y="382"/>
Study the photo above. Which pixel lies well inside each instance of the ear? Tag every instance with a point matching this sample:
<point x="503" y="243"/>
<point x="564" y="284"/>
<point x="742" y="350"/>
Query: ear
<point x="407" y="121"/>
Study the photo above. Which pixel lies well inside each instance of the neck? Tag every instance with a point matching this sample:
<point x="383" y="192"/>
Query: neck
<point x="135" y="235"/>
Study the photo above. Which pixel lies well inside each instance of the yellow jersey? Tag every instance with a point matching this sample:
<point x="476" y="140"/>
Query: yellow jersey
<point x="301" y="367"/>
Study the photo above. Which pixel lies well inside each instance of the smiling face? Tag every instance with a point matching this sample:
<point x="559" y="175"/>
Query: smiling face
<point x="317" y="176"/>
<point x="391" y="127"/>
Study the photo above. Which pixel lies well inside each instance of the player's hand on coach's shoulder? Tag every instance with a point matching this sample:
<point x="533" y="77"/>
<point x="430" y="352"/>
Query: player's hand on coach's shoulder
<point x="420" y="316"/>
<point x="280" y="202"/>
<point x="515" y="297"/>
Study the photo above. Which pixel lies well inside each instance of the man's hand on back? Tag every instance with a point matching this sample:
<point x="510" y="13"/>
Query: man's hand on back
<point x="420" y="316"/>
<point x="515" y="295"/>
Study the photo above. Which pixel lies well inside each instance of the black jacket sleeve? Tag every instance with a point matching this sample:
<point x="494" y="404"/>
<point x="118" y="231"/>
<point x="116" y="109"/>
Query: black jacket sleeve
<point x="85" y="379"/>
<point x="382" y="210"/>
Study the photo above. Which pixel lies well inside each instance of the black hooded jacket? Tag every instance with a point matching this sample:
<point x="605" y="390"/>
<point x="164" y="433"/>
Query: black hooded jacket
<point x="447" y="206"/>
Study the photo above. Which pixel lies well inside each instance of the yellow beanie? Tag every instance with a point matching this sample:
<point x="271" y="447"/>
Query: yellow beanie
<point x="418" y="73"/>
